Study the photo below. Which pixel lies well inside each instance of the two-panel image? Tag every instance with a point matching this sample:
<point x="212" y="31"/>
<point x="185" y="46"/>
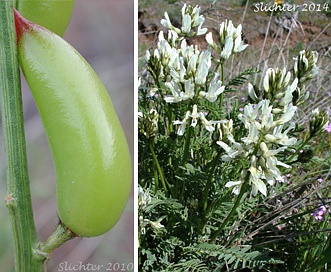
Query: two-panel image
<point x="165" y="135"/>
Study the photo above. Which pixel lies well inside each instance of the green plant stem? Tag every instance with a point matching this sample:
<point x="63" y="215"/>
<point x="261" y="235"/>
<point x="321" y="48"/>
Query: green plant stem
<point x="187" y="146"/>
<point x="156" y="179"/>
<point x="233" y="210"/>
<point x="209" y="181"/>
<point x="158" y="167"/>
<point x="222" y="79"/>
<point x="222" y="72"/>
<point x="18" y="199"/>
<point x="185" y="158"/>
<point x="57" y="238"/>
<point x="28" y="258"/>
<point x="170" y="121"/>
<point x="165" y="104"/>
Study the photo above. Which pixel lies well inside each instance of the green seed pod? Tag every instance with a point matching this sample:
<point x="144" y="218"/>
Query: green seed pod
<point x="88" y="146"/>
<point x="51" y="14"/>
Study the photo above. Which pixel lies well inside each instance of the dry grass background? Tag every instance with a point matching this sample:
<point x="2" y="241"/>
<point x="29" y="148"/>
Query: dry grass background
<point x="102" y="31"/>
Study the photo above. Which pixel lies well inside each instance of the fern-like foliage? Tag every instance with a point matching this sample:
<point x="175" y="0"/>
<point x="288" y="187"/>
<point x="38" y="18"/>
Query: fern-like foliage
<point x="234" y="257"/>
<point x="194" y="265"/>
<point x="240" y="79"/>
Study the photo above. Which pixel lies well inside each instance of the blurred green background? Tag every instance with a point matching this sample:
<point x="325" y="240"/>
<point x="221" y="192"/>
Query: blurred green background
<point x="102" y="31"/>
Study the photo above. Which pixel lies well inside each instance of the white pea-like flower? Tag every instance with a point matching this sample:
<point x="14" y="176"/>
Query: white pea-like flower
<point x="202" y="72"/>
<point x="253" y="134"/>
<point x="182" y="124"/>
<point x="186" y="23"/>
<point x="256" y="178"/>
<point x="191" y="19"/>
<point x="289" y="112"/>
<point x="195" y="116"/>
<point x="207" y="124"/>
<point x="214" y="90"/>
<point x="204" y="64"/>
<point x="201" y="31"/>
<point x="227" y="49"/>
<point x="210" y="40"/>
<point x="238" y="183"/>
<point x="164" y="48"/>
<point x="280" y="137"/>
<point x="197" y="19"/>
<point x="143" y="198"/>
<point x="157" y="224"/>
<point x="178" y="73"/>
<point x="230" y="39"/>
<point x="177" y="94"/>
<point x="172" y="38"/>
<point x="189" y="90"/>
<point x="305" y="65"/>
<point x="288" y="96"/>
<point x="263" y="132"/>
<point x="236" y="186"/>
<point x="167" y="23"/>
<point x="239" y="45"/>
<point x="276" y="80"/>
<point x="192" y="64"/>
<point x="251" y="92"/>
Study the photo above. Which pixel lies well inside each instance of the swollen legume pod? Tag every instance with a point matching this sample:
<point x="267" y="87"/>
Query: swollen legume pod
<point x="51" y="14"/>
<point x="88" y="146"/>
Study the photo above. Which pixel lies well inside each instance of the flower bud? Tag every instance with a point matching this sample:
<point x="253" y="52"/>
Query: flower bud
<point x="147" y="124"/>
<point x="318" y="122"/>
<point x="305" y="65"/>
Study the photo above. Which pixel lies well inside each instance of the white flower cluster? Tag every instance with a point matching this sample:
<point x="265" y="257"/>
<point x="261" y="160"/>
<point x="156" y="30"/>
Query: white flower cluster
<point x="187" y="74"/>
<point x="148" y="123"/>
<point x="191" y="19"/>
<point x="185" y="70"/>
<point x="318" y="122"/>
<point x="187" y="77"/>
<point x="276" y="89"/>
<point x="268" y="123"/>
<point x="305" y="65"/>
<point x="229" y="38"/>
<point x="263" y="130"/>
